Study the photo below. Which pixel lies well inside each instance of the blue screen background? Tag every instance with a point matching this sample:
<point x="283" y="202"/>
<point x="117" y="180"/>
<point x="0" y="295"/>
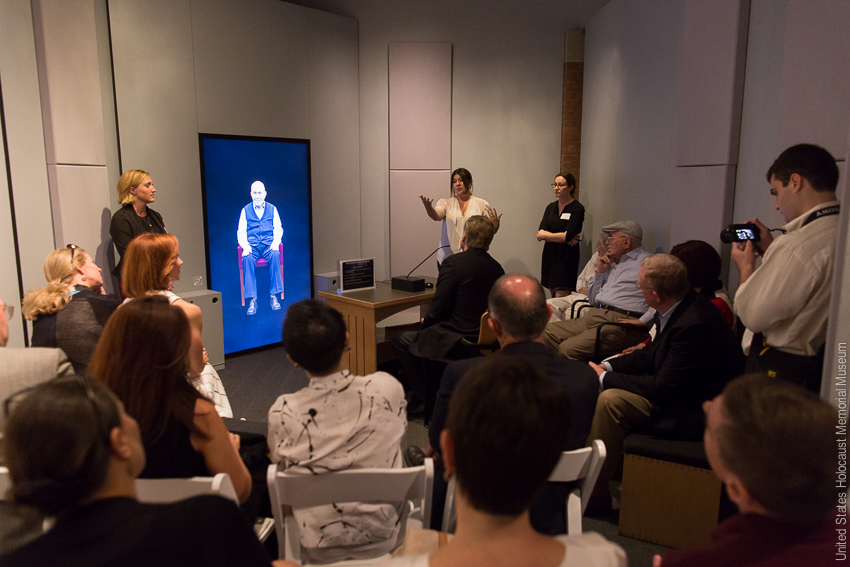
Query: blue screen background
<point x="229" y="168"/>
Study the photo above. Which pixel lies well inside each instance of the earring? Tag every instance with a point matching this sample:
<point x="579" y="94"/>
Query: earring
<point x="447" y="475"/>
<point x="84" y="278"/>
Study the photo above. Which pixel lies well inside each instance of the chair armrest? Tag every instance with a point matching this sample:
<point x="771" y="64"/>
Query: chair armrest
<point x="599" y="334"/>
<point x="582" y="303"/>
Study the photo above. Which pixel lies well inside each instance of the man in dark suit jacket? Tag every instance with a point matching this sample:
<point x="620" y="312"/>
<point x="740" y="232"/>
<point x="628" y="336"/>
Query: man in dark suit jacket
<point x="518" y="316"/>
<point x="662" y="387"/>
<point x="460" y="299"/>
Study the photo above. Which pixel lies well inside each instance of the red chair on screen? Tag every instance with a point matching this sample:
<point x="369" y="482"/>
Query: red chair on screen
<point x="260" y="263"/>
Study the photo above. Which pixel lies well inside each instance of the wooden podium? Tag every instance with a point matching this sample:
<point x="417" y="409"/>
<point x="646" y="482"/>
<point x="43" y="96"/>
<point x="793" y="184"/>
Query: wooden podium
<point x="362" y="310"/>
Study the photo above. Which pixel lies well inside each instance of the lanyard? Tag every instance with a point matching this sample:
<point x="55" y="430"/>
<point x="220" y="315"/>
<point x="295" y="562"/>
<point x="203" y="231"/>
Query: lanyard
<point x="820" y="213"/>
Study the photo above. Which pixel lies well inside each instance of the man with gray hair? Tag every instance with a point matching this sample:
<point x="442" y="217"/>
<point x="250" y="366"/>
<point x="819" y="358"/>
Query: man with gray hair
<point x="661" y="387"/>
<point x="259" y="233"/>
<point x="613" y="296"/>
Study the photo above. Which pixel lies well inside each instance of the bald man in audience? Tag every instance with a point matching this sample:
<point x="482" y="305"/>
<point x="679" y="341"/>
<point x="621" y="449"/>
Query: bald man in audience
<point x="518" y="315"/>
<point x="775" y="447"/>
<point x="661" y="387"/>
<point x="613" y="296"/>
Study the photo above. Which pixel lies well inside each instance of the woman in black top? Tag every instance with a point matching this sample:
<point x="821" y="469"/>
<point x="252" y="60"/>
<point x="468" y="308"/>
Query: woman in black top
<point x="135" y="193"/>
<point x="71" y="311"/>
<point x="74" y="453"/>
<point x="560" y="229"/>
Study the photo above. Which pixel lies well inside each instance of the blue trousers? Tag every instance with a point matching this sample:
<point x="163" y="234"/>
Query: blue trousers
<point x="272" y="257"/>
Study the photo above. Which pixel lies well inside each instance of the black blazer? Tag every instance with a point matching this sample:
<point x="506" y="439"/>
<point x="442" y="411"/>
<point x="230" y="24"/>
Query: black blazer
<point x="582" y="386"/>
<point x="127" y="225"/>
<point x="577" y="378"/>
<point x="460" y="299"/>
<point x="689" y="362"/>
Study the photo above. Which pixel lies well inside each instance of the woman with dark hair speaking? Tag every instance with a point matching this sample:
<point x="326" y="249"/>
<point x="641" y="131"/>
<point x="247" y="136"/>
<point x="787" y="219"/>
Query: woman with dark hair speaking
<point x="143" y="357"/>
<point x="73" y="453"/>
<point x="454" y="211"/>
<point x="560" y="229"/>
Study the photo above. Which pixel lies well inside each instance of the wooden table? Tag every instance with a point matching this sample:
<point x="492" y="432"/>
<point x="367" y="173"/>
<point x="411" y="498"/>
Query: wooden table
<point x="362" y="310"/>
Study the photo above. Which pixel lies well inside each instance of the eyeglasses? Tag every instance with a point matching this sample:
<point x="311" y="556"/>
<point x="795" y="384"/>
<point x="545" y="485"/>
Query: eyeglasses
<point x="561" y="185"/>
<point x="73" y="249"/>
<point x="640" y="287"/>
<point x="9" y="310"/>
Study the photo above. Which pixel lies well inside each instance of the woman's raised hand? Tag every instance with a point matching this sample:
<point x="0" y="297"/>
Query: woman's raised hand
<point x="493" y="216"/>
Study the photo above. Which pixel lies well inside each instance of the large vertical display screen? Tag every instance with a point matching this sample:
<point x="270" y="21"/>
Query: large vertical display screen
<point x="258" y="228"/>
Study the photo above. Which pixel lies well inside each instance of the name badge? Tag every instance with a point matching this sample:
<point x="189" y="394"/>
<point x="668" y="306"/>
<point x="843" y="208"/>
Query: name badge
<point x="565" y="216"/>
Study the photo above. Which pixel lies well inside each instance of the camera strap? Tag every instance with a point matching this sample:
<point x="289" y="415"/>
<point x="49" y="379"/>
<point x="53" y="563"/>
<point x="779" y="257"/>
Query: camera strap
<point x="820" y="213"/>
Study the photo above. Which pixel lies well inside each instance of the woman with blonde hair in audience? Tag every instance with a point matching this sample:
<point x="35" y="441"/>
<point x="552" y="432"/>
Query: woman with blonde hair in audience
<point x="152" y="264"/>
<point x="74" y="453"/>
<point x="143" y="357"/>
<point x="70" y="312"/>
<point x="506" y="429"/>
<point x="135" y="192"/>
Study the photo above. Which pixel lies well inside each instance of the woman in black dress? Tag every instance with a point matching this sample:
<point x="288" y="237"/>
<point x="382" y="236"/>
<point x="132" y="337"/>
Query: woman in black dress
<point x="560" y="229"/>
<point x="135" y="193"/>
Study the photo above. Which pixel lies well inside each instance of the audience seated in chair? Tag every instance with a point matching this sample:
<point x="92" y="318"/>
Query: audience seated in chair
<point x="693" y="355"/>
<point x="70" y="312"/>
<point x="338" y="422"/>
<point x="506" y="429"/>
<point x="460" y="298"/>
<point x="773" y="444"/>
<point x="518" y="316"/>
<point x="73" y="453"/>
<point x="613" y="296"/>
<point x="143" y="356"/>
<point x="151" y="266"/>
<point x="562" y="307"/>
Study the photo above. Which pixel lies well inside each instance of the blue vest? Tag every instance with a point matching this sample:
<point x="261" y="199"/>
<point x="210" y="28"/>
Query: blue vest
<point x="260" y="231"/>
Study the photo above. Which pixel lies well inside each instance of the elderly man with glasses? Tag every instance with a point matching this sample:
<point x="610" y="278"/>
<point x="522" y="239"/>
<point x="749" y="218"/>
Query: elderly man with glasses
<point x="613" y="297"/>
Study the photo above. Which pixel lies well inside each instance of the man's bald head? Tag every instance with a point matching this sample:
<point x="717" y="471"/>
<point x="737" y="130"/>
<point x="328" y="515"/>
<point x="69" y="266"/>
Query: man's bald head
<point x="518" y="304"/>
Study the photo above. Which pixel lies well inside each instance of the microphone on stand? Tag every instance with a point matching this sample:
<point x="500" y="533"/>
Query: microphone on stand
<point x="406" y="283"/>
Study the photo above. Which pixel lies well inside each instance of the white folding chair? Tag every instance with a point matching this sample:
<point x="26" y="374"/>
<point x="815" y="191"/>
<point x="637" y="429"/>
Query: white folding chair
<point x="287" y="491"/>
<point x="582" y="465"/>
<point x="163" y="490"/>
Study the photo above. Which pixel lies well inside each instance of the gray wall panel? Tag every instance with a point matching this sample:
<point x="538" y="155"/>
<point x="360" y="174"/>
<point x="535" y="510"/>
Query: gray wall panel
<point x="251" y="67"/>
<point x="155" y="96"/>
<point x="70" y="86"/>
<point x="334" y="138"/>
<point x="420" y="115"/>
<point x="413" y="235"/>
<point x="25" y="136"/>
<point x="77" y="194"/>
<point x="711" y="82"/>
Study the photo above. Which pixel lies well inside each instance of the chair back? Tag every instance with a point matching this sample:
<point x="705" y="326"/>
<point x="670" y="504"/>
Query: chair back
<point x="581" y="465"/>
<point x="164" y="490"/>
<point x="290" y="490"/>
<point x="487" y="343"/>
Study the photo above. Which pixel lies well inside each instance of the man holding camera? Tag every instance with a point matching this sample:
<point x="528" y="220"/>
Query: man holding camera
<point x="785" y="302"/>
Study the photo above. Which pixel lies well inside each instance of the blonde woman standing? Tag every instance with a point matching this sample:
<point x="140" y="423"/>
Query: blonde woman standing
<point x="135" y="192"/>
<point x="70" y="312"/>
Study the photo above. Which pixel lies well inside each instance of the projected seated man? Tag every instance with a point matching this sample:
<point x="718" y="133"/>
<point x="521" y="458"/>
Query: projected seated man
<point x="259" y="234"/>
